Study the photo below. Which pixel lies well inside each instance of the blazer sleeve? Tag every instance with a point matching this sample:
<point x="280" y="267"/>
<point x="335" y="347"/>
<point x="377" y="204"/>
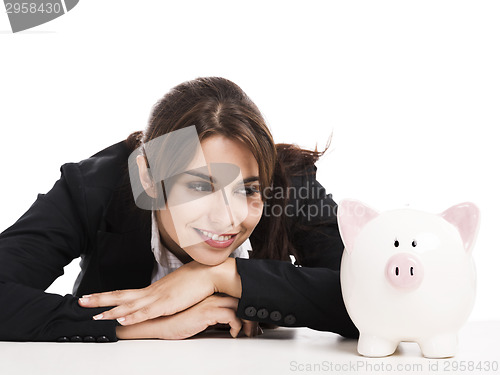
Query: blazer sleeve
<point x="33" y="252"/>
<point x="308" y="293"/>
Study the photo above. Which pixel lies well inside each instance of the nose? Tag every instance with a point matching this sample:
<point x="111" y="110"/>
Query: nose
<point x="220" y="212"/>
<point x="404" y="271"/>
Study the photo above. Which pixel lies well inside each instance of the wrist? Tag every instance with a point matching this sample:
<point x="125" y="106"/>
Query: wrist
<point x="225" y="278"/>
<point x="121" y="333"/>
<point x="144" y="330"/>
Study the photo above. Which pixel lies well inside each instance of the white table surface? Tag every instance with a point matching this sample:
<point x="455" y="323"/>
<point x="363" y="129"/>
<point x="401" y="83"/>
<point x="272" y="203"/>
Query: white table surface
<point x="277" y="351"/>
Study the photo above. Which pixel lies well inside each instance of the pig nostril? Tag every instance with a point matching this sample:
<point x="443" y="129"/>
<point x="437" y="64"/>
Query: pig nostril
<point x="411" y="271"/>
<point x="397" y="271"/>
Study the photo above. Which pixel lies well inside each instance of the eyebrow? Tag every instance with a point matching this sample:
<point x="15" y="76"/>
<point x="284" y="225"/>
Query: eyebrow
<point x="211" y="179"/>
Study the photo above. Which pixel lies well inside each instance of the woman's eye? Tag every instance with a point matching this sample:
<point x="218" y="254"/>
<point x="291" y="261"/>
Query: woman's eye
<point x="252" y="190"/>
<point x="248" y="190"/>
<point x="200" y="186"/>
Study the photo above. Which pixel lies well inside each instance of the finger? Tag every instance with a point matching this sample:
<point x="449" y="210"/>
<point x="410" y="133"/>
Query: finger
<point x="228" y="316"/>
<point x="113" y="298"/>
<point x="235" y="324"/>
<point x="228" y="306"/>
<point x="225" y="301"/>
<point x="126" y="309"/>
<point x="145" y="312"/>
<point x="249" y="328"/>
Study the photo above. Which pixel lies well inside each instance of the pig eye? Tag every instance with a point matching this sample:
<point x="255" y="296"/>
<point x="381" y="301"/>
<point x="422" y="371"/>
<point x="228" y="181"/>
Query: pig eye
<point x="414" y="243"/>
<point x="396" y="243"/>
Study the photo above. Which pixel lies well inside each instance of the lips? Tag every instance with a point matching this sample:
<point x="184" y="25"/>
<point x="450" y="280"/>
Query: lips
<point x="216" y="240"/>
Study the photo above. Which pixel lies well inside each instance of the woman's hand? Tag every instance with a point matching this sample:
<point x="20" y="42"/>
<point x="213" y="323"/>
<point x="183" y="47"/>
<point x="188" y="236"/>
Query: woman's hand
<point x="213" y="310"/>
<point x="183" y="288"/>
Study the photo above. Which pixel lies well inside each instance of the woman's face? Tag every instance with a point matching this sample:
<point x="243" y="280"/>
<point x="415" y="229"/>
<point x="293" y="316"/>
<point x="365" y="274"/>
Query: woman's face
<point x="211" y="211"/>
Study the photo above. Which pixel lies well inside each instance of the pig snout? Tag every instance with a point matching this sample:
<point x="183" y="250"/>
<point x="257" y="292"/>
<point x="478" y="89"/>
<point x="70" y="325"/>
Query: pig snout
<point x="404" y="271"/>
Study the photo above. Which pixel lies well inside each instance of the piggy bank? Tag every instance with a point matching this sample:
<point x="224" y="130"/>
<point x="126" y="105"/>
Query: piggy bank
<point x="408" y="275"/>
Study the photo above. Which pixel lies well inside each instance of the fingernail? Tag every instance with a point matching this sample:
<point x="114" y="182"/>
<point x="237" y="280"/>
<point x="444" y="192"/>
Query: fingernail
<point x="97" y="317"/>
<point x="120" y="320"/>
<point x="84" y="300"/>
<point x="87" y="296"/>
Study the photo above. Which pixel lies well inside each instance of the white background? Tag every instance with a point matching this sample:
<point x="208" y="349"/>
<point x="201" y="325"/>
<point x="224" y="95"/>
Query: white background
<point x="410" y="91"/>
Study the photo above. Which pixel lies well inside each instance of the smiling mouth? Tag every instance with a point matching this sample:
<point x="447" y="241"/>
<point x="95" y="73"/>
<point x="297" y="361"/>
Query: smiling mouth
<point x="216" y="240"/>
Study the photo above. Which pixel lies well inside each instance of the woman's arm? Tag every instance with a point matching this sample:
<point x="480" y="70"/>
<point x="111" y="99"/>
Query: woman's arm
<point x="280" y="293"/>
<point x="33" y="253"/>
<point x="175" y="292"/>
<point x="59" y="227"/>
<point x="180" y="305"/>
<point x="291" y="295"/>
<point x="212" y="310"/>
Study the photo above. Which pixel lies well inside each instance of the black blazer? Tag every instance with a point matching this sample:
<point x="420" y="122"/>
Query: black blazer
<point x="89" y="213"/>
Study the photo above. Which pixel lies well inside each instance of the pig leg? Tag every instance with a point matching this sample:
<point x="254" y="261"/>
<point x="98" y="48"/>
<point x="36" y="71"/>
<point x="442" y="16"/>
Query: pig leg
<point x="440" y="346"/>
<point x="371" y="345"/>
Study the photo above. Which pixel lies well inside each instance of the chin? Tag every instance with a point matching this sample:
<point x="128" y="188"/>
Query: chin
<point x="214" y="263"/>
<point x="211" y="261"/>
<point x="204" y="257"/>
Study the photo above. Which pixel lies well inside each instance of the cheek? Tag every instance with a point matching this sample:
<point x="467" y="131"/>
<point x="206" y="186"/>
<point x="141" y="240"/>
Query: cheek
<point x="189" y="212"/>
<point x="168" y="224"/>
<point x="254" y="214"/>
<point x="176" y="218"/>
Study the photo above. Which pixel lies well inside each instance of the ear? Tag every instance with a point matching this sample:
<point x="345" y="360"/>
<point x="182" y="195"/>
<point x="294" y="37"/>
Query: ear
<point x="352" y="216"/>
<point x="145" y="176"/>
<point x="465" y="217"/>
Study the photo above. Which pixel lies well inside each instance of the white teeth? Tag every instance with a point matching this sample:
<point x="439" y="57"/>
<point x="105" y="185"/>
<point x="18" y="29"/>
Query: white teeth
<point x="214" y="236"/>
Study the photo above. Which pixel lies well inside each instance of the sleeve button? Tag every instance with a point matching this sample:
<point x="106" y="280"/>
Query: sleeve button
<point x="63" y="339"/>
<point x="275" y="316"/>
<point x="89" y="339"/>
<point x="250" y="311"/>
<point x="262" y="313"/>
<point x="76" y="339"/>
<point x="290" y="319"/>
<point x="102" y="339"/>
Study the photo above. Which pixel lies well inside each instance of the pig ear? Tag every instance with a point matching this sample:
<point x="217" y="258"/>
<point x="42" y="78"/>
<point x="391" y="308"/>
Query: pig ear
<point x="352" y="216"/>
<point x="464" y="217"/>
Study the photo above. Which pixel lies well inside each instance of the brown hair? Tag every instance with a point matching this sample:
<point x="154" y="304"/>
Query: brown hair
<point x="217" y="106"/>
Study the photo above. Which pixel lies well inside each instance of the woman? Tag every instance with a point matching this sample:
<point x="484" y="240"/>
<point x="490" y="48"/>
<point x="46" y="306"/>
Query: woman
<point x="161" y="218"/>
